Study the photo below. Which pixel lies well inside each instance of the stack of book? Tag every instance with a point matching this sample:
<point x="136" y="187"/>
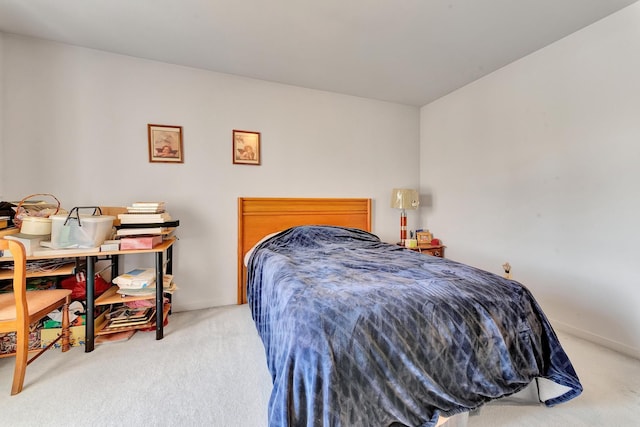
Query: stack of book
<point x="137" y="278"/>
<point x="127" y="317"/>
<point x="144" y="225"/>
<point x="142" y="282"/>
<point x="146" y="208"/>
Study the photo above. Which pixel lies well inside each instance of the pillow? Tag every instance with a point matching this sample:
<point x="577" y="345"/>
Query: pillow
<point x="250" y="251"/>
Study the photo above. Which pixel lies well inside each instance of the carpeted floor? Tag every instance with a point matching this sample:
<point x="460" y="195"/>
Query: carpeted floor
<point x="210" y="370"/>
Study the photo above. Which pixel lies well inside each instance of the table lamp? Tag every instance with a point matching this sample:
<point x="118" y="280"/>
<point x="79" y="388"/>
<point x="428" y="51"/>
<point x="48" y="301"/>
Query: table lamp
<point x="403" y="199"/>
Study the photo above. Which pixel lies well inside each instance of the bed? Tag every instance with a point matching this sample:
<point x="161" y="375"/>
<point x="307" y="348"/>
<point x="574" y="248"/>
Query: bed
<point x="361" y="332"/>
<point x="260" y="216"/>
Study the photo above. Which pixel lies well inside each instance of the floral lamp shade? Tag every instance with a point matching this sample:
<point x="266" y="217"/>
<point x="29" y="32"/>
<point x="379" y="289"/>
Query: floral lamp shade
<point x="404" y="198"/>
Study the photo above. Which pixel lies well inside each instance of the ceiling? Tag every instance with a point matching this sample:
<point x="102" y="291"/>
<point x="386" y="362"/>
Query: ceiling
<point x="405" y="51"/>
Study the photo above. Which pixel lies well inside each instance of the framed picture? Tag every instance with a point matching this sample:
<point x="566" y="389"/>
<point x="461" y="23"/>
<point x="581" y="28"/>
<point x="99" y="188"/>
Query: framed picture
<point x="165" y="144"/>
<point x="424" y="237"/>
<point x="246" y="147"/>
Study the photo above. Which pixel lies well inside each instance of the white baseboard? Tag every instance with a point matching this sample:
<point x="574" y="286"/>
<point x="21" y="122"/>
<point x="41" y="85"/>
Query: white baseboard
<point x="199" y="305"/>
<point x="603" y="341"/>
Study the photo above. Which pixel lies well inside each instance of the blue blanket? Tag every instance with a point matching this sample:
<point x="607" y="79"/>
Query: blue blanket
<point x="358" y="332"/>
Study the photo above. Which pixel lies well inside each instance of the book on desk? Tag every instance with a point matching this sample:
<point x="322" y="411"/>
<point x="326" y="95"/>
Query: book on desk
<point x="140" y="242"/>
<point x="146" y="228"/>
<point x="137" y="278"/>
<point x="167" y="286"/>
<point x="138" y="218"/>
<point x="127" y="314"/>
<point x="125" y="317"/>
<point x="146" y="207"/>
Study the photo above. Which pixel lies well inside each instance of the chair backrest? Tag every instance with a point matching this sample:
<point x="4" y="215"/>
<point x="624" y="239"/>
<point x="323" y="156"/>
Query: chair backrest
<point x="114" y="211"/>
<point x="19" y="277"/>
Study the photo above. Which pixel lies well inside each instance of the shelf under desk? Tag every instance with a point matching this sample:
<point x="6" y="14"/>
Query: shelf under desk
<point x="91" y="257"/>
<point x="62" y="270"/>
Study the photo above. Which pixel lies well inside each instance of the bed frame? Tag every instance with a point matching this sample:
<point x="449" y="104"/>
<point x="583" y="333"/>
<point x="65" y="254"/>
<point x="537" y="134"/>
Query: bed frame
<point x="258" y="217"/>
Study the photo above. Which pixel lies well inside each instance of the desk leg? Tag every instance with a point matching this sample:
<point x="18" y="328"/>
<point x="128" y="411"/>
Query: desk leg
<point x="89" y="325"/>
<point x="115" y="266"/>
<point x="170" y="271"/>
<point x="159" y="297"/>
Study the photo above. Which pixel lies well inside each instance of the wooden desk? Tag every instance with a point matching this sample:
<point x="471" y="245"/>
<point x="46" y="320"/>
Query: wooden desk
<point x="91" y="258"/>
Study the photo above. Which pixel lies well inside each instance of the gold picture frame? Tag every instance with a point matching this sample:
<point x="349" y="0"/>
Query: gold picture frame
<point x="424" y="237"/>
<point x="165" y="144"/>
<point x="246" y="147"/>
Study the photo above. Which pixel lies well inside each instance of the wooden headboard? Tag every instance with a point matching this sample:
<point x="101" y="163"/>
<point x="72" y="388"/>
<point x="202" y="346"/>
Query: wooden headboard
<point x="258" y="217"/>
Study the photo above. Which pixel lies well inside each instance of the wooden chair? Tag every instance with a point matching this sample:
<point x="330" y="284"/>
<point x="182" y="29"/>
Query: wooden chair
<point x="20" y="308"/>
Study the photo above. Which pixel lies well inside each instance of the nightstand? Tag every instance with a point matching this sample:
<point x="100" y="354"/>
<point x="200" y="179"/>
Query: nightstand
<point x="437" y="250"/>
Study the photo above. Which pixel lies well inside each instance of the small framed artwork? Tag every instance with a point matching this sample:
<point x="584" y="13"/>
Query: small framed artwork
<point x="424" y="237"/>
<point x="165" y="144"/>
<point x="246" y="147"/>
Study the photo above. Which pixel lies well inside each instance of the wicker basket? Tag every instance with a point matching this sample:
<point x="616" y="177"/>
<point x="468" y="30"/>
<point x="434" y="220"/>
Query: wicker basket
<point x="40" y="210"/>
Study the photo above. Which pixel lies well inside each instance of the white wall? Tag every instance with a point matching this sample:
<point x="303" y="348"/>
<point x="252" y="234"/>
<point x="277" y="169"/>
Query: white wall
<point x="538" y="164"/>
<point x="535" y="164"/>
<point x="76" y="126"/>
